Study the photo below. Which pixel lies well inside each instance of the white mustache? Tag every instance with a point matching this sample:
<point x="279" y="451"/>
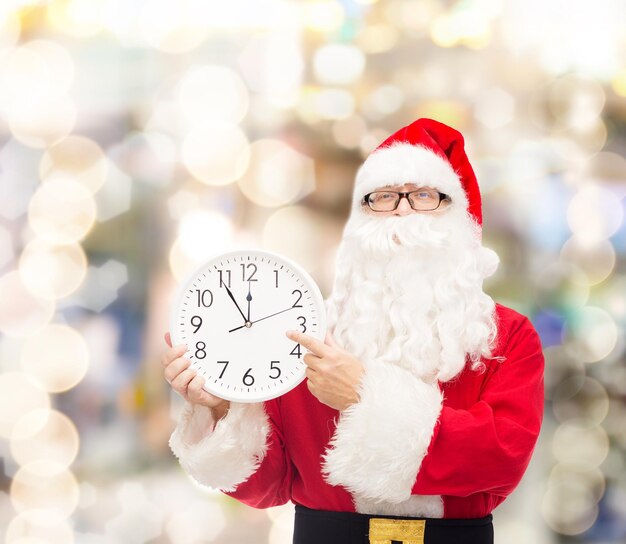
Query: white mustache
<point x="389" y="235"/>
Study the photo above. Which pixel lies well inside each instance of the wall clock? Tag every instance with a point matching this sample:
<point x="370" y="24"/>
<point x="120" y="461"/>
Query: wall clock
<point x="233" y="312"/>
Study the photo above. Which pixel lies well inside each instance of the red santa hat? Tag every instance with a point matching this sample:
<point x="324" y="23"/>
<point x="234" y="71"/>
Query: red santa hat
<point x="428" y="153"/>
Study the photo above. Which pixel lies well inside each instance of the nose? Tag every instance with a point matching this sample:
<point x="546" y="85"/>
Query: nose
<point x="404" y="208"/>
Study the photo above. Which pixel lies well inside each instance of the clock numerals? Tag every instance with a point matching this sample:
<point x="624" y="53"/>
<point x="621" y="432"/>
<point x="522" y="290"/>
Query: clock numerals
<point x="222" y="279"/>
<point x="295" y="304"/>
<point x="276" y="278"/>
<point x="296" y="351"/>
<point x="200" y="350"/>
<point x="205" y="297"/>
<point x="302" y="323"/>
<point x="272" y="367"/>
<point x="250" y="378"/>
<point x="250" y="273"/>
<point x="196" y="321"/>
<point x="225" y="363"/>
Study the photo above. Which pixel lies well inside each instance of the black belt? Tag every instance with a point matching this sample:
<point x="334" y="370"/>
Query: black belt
<point x="325" y="527"/>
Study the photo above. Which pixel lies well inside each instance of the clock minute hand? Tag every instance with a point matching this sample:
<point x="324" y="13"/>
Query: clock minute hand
<point x="233" y="299"/>
<point x="271" y="315"/>
<point x="261" y="319"/>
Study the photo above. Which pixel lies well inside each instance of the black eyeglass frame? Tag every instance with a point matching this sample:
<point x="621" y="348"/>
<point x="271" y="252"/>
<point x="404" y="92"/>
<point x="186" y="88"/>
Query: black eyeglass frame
<point x="405" y="194"/>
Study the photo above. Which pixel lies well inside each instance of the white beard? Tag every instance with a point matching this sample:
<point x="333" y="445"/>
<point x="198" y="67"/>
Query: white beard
<point x="408" y="291"/>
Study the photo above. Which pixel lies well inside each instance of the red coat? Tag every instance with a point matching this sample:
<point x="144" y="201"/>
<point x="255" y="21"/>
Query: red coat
<point x="478" y="450"/>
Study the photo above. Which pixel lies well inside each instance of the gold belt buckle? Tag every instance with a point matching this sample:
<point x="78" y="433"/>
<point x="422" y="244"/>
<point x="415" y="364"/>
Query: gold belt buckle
<point x="407" y="531"/>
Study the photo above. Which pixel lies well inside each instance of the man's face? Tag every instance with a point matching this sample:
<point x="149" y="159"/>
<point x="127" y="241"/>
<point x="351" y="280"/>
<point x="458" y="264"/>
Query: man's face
<point x="404" y="208"/>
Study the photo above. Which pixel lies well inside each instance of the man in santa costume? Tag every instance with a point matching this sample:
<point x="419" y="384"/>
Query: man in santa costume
<point x="422" y="408"/>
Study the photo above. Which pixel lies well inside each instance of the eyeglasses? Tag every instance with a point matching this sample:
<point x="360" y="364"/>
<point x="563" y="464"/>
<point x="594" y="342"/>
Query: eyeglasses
<point x="420" y="200"/>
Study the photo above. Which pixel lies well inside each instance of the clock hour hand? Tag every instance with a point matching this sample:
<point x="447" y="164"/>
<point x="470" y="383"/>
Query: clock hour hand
<point x="233" y="299"/>
<point x="249" y="298"/>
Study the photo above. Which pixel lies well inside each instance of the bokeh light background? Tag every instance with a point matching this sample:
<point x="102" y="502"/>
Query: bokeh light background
<point x="137" y="138"/>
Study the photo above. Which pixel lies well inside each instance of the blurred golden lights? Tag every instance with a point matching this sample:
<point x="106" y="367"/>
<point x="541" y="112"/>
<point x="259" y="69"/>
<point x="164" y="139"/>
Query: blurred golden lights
<point x="462" y="27"/>
<point x="338" y="64"/>
<point x="52" y="271"/>
<point x="36" y="77"/>
<point x="55" y="357"/>
<point x="43" y="491"/>
<point x="212" y="93"/>
<point x="282" y="519"/>
<point x="18" y="396"/>
<point x="562" y="281"/>
<point x="199" y="226"/>
<point x="172" y="27"/>
<point x="377" y="38"/>
<point x="588" y="477"/>
<point x="277" y="174"/>
<point x="300" y="234"/>
<point x="33" y="73"/>
<point x="80" y="18"/>
<point x="596" y="258"/>
<point x="78" y="156"/>
<point x="383" y="101"/>
<point x="201" y="235"/>
<point x="54" y="531"/>
<point x="198" y="521"/>
<point x="333" y="104"/>
<point x="62" y="211"/>
<point x="216" y="154"/>
<point x="43" y="123"/>
<point x="594" y="213"/>
<point x="349" y="132"/>
<point x="322" y="15"/>
<point x="590" y="335"/>
<point x="580" y="442"/>
<point x="21" y="312"/>
<point x="576" y="102"/>
<point x="10" y="27"/>
<point x="569" y="508"/>
<point x="619" y="82"/>
<point x="581" y="397"/>
<point x="44" y="435"/>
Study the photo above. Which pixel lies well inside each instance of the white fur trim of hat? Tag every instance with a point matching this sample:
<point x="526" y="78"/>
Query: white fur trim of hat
<point x="402" y="163"/>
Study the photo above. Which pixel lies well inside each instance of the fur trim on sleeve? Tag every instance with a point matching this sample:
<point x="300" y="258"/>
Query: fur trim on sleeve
<point x="379" y="443"/>
<point x="224" y="456"/>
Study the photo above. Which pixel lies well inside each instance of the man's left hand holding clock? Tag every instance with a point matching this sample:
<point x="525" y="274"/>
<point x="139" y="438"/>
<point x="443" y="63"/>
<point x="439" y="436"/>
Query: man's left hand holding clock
<point x="186" y="382"/>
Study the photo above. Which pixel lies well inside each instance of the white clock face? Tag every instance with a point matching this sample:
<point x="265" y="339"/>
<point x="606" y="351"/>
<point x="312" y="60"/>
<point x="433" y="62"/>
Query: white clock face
<point x="233" y="313"/>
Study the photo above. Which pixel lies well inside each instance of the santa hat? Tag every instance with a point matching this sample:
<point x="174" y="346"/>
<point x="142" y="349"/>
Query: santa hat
<point x="427" y="153"/>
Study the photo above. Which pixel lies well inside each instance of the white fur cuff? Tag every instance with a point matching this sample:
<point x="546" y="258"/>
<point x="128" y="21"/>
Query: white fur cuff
<point x="225" y="456"/>
<point x="378" y="446"/>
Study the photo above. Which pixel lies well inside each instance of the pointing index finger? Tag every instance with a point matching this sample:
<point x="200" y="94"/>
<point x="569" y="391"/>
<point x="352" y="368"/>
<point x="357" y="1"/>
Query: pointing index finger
<point x="309" y="342"/>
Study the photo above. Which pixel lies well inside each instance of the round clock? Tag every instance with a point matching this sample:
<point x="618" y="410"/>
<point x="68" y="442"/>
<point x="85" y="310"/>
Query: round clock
<point x="233" y="312"/>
